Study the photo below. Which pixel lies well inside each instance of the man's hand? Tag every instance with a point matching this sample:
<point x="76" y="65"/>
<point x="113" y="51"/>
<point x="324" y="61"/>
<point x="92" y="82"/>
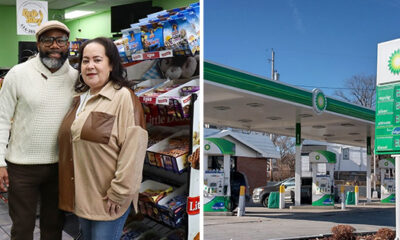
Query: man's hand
<point x="3" y="179"/>
<point x="112" y="207"/>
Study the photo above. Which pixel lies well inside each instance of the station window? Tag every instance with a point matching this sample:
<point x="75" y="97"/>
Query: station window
<point x="346" y="153"/>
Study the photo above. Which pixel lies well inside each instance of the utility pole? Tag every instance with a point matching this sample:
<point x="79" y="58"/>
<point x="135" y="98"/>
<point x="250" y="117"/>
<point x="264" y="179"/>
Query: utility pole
<point x="274" y="73"/>
<point x="272" y="65"/>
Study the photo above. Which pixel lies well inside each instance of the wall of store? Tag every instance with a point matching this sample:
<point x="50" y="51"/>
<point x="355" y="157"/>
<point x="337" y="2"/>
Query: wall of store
<point x="170" y="4"/>
<point x="89" y="27"/>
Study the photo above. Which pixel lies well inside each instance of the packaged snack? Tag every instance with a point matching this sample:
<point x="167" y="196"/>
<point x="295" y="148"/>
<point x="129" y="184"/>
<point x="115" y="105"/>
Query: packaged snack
<point x="180" y="36"/>
<point x="187" y="90"/>
<point x="152" y="37"/>
<point x="123" y="49"/>
<point x="157" y="14"/>
<point x="134" y="36"/>
<point x="194" y="21"/>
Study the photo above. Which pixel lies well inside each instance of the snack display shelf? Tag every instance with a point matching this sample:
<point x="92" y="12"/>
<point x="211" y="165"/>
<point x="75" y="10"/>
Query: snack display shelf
<point x="138" y="57"/>
<point x="167" y="103"/>
<point x="179" y="177"/>
<point x="148" y="228"/>
<point x="161" y="174"/>
<point x="175" y="98"/>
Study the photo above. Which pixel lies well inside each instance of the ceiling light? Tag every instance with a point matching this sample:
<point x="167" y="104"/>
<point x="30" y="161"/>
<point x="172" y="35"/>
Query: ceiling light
<point x="358" y="140"/>
<point x="255" y="104"/>
<point x="290" y="128"/>
<point x="318" y="126"/>
<point x="328" y="135"/>
<point x="354" y="133"/>
<point x="305" y="115"/>
<point x="347" y="124"/>
<point x="77" y="13"/>
<point x="245" y="120"/>
<point x="273" y="118"/>
<point x="222" y="108"/>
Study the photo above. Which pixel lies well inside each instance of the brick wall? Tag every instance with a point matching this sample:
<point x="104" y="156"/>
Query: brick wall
<point x="255" y="170"/>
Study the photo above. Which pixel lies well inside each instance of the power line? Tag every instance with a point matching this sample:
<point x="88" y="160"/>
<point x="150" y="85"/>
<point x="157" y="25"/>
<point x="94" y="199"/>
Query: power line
<point x="342" y="88"/>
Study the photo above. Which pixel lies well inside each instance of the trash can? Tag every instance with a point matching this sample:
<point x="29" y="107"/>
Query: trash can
<point x="273" y="200"/>
<point x="350" y="198"/>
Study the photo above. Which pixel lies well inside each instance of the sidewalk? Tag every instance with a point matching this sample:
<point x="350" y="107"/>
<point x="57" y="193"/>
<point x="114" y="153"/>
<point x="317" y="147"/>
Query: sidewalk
<point x="5" y="225"/>
<point x="264" y="223"/>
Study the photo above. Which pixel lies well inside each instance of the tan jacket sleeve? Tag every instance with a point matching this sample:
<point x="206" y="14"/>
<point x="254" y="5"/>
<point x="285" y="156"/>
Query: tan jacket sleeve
<point x="132" y="139"/>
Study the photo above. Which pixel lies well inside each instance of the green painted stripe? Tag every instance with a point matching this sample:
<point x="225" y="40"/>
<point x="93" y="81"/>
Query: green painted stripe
<point x="225" y="146"/>
<point x="330" y="156"/>
<point x="320" y="202"/>
<point x="215" y="204"/>
<point x="392" y="160"/>
<point x="390" y="199"/>
<point x="240" y="80"/>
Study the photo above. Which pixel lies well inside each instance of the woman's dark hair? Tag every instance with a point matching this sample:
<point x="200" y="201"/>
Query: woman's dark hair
<point x="118" y="73"/>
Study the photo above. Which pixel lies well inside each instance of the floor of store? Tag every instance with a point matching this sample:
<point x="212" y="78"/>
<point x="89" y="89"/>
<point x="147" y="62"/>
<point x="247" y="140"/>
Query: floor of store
<point x="5" y="225"/>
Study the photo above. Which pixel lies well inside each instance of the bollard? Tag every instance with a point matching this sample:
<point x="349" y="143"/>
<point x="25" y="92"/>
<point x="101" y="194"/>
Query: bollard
<point x="356" y="194"/>
<point x="282" y="197"/>
<point x="342" y="197"/>
<point x="242" y="201"/>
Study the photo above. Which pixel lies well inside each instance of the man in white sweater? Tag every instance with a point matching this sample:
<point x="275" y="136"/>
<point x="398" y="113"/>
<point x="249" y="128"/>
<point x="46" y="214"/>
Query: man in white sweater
<point x="34" y="98"/>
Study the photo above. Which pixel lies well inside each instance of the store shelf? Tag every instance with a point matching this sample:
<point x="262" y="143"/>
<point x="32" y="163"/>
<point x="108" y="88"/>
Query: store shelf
<point x="136" y="58"/>
<point x="163" y="175"/>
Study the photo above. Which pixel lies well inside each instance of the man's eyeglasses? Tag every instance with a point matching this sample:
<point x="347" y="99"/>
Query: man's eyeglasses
<point x="48" y="41"/>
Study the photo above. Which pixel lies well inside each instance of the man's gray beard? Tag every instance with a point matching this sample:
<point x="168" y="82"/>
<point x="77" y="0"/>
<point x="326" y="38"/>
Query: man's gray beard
<point x="52" y="63"/>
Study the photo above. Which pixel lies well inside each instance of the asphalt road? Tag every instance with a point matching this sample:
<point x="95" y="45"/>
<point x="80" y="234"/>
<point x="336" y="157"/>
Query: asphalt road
<point x="264" y="223"/>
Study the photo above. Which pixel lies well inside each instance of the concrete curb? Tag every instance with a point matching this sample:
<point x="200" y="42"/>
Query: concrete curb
<point x="312" y="207"/>
<point x="322" y="235"/>
<point x="218" y="213"/>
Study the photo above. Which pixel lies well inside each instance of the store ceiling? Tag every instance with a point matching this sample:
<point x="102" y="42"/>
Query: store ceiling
<point x="93" y="5"/>
<point x="227" y="105"/>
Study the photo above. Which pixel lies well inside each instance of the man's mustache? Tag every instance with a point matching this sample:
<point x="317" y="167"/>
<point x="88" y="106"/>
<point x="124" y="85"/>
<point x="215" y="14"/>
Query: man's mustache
<point x="50" y="52"/>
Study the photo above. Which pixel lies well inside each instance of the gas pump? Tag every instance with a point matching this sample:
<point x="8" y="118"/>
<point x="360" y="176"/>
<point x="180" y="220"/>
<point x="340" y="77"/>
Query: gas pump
<point x="217" y="189"/>
<point x="322" y="183"/>
<point x="388" y="186"/>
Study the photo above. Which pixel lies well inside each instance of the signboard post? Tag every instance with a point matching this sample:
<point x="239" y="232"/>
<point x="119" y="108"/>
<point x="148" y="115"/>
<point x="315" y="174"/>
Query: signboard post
<point x="387" y="119"/>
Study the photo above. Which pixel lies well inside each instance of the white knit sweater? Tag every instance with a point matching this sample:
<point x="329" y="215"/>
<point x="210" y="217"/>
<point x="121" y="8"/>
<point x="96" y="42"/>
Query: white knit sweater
<point x="37" y="101"/>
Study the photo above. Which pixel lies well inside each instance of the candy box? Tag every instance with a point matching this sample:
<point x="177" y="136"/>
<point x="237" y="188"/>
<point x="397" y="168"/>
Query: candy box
<point x="173" y="207"/>
<point x="134" y="36"/>
<point x="123" y="49"/>
<point x="173" y="151"/>
<point x="152" y="37"/>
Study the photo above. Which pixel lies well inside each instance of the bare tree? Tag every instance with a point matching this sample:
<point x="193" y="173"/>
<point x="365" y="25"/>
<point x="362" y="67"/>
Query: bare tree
<point x="359" y="89"/>
<point x="286" y="148"/>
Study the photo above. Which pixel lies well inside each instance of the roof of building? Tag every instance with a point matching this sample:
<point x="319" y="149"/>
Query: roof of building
<point x="256" y="141"/>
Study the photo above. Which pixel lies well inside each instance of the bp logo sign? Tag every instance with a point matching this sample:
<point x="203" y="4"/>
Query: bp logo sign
<point x="319" y="101"/>
<point x="394" y="62"/>
<point x="386" y="164"/>
<point x="207" y="147"/>
<point x="317" y="157"/>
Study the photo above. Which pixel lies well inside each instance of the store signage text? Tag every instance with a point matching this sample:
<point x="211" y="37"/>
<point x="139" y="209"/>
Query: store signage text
<point x="30" y="15"/>
<point x="193" y="205"/>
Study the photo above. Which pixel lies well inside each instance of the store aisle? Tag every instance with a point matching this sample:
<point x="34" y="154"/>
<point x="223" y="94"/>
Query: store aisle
<point x="5" y="225"/>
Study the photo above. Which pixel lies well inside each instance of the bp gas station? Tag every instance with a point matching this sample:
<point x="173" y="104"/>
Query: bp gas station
<point x="241" y="100"/>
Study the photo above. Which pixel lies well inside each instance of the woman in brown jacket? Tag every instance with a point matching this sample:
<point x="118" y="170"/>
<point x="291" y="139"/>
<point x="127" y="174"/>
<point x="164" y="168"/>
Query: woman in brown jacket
<point x="102" y="144"/>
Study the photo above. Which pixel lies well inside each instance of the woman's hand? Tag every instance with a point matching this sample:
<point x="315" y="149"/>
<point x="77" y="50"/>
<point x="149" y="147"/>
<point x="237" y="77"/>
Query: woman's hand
<point x="112" y="207"/>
